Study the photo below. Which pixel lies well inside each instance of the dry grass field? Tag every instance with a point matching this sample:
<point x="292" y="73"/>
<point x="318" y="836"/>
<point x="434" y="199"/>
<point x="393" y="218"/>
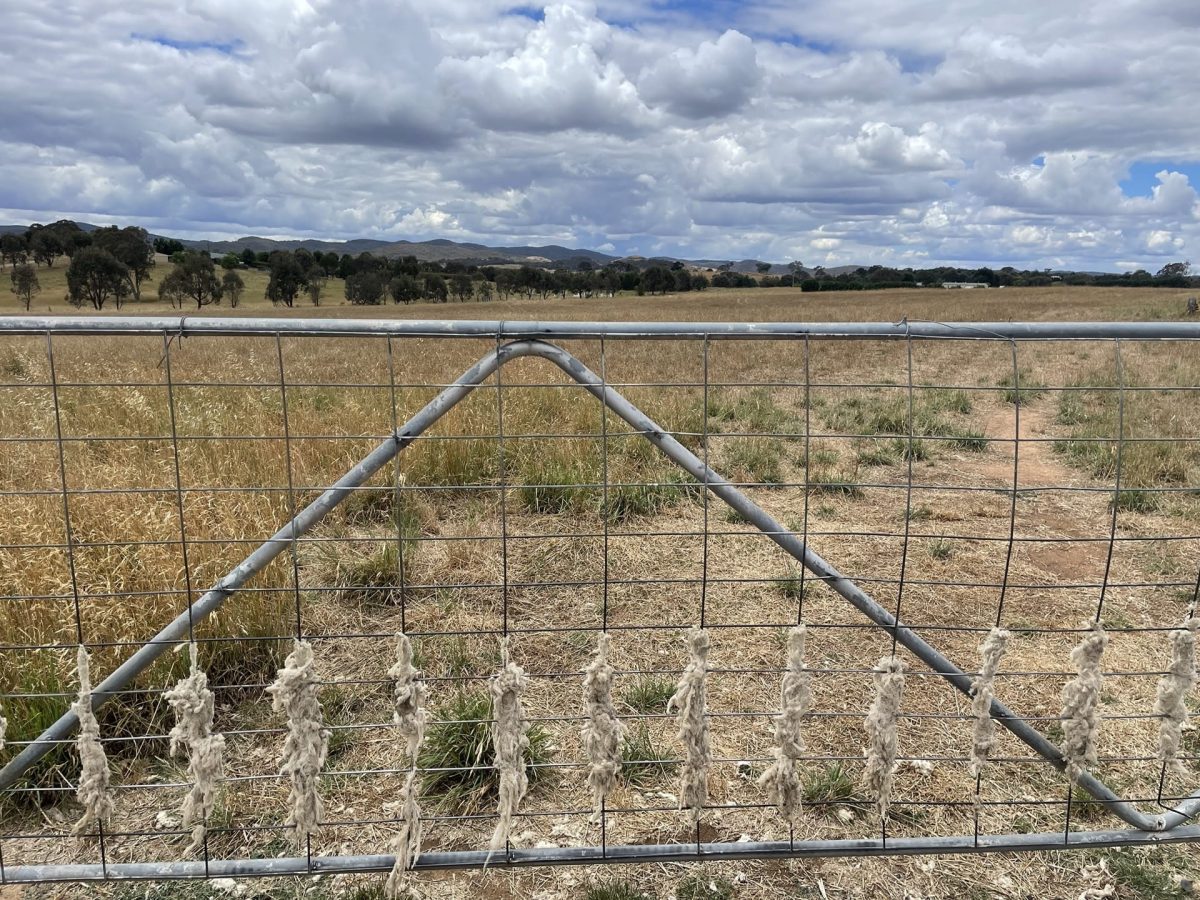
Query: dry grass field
<point x="833" y="459"/>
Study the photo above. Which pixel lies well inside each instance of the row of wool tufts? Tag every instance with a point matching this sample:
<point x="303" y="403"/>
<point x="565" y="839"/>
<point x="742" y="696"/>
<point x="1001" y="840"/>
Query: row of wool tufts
<point x="295" y="694"/>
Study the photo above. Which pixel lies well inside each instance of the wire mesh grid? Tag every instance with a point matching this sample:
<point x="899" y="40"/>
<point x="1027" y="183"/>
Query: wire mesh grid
<point x="244" y="483"/>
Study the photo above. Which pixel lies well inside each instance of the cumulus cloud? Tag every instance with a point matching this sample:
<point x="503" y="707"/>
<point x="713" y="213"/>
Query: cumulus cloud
<point x="558" y="79"/>
<point x="903" y="132"/>
<point x="714" y="79"/>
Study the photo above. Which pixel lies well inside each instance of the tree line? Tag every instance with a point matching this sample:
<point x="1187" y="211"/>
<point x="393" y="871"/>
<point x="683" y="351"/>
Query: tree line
<point x="371" y="280"/>
<point x="873" y="278"/>
<point x="111" y="265"/>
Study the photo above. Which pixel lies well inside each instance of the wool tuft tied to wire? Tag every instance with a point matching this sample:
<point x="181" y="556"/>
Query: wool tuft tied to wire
<point x="408" y="698"/>
<point x="1173" y="688"/>
<point x="602" y="730"/>
<point x="882" y="738"/>
<point x="193" y="704"/>
<point x="690" y="703"/>
<point x="983" y="735"/>
<point x="510" y="741"/>
<point x="295" y="694"/>
<point x="94" y="777"/>
<point x="407" y="845"/>
<point x="780" y="780"/>
<point x="409" y="716"/>
<point x="3" y="727"/>
<point x="1081" y="703"/>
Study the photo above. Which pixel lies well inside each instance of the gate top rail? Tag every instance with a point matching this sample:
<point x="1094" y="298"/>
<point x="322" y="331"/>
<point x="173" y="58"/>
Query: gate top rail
<point x="476" y="328"/>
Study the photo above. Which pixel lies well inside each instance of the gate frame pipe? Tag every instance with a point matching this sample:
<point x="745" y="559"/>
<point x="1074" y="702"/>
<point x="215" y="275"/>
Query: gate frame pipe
<point x="576" y="856"/>
<point x="184" y="326"/>
<point x="175" y="632"/>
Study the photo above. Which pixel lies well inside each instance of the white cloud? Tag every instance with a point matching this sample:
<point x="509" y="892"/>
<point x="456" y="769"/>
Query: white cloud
<point x="558" y="79"/>
<point x="714" y="79"/>
<point x="890" y="131"/>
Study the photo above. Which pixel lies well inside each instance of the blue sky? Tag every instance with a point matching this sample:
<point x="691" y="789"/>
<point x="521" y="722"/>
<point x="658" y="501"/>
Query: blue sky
<point x="190" y="46"/>
<point x="1141" y="179"/>
<point x="898" y="132"/>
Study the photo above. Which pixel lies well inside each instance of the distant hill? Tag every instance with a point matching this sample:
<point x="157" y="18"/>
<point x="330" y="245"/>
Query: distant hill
<point x="438" y="250"/>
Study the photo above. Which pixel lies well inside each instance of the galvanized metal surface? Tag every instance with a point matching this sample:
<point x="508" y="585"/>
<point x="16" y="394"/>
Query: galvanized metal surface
<point x="532" y="330"/>
<point x="577" y="856"/>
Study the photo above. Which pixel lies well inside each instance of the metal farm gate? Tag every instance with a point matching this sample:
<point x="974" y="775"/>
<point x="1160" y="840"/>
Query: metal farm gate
<point x="907" y="527"/>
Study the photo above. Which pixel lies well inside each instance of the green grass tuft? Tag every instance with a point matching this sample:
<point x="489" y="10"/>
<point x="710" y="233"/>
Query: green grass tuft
<point x="839" y="483"/>
<point x="1026" y="385"/>
<point x="830" y="788"/>
<point x="940" y="548"/>
<point x="876" y="454"/>
<point x="461" y="742"/>
<point x="968" y="439"/>
<point x="1136" y="501"/>
<point x="792" y="586"/>
<point x="755" y="460"/>
<point x="649" y="694"/>
<point x="645" y="761"/>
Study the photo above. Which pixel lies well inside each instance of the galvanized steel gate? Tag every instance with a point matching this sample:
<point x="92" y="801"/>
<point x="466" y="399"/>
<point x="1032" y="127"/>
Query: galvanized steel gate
<point x="1169" y="818"/>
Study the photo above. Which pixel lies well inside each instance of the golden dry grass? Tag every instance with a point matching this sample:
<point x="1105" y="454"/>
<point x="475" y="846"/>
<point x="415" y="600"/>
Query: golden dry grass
<point x="449" y="518"/>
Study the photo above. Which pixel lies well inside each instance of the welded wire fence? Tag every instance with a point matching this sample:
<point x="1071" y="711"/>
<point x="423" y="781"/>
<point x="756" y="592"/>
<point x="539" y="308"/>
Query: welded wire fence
<point x="897" y="489"/>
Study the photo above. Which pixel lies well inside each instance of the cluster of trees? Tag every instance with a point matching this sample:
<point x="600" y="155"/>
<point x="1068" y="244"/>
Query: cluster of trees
<point x="111" y="265"/>
<point x="105" y="264"/>
<point x="194" y="278"/>
<point x="371" y="280"/>
<point x="42" y="244"/>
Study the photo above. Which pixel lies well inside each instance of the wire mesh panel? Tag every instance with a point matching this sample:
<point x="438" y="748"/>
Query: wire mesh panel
<point x="673" y="592"/>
